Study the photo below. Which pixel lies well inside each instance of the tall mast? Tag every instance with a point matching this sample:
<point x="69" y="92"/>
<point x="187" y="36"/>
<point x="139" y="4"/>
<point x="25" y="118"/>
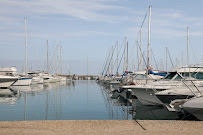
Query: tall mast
<point x="148" y="40"/>
<point x="109" y="60"/>
<point x="182" y="57"/>
<point x="47" y="57"/>
<point x="127" y="57"/>
<point x="188" y="49"/>
<point x="57" y="57"/>
<point x="124" y="56"/>
<point x="87" y="68"/>
<point x="188" y="46"/>
<point x="112" y="62"/>
<point x="117" y="58"/>
<point x="166" y="58"/>
<point x="138" y="63"/>
<point x="61" y="58"/>
<point x="141" y="49"/>
<point x="25" y="48"/>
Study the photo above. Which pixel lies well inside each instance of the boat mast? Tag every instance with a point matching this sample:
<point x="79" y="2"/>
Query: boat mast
<point x="109" y="60"/>
<point x="166" y="58"/>
<point x="148" y="40"/>
<point x="87" y="69"/>
<point x="25" y="47"/>
<point x="188" y="46"/>
<point x="188" y="50"/>
<point x="138" y="64"/>
<point x="57" y="58"/>
<point x="47" y="57"/>
<point x="117" y="58"/>
<point x="127" y="57"/>
<point x="61" y="58"/>
<point x="141" y="48"/>
<point x="112" y="62"/>
<point x="124" y="55"/>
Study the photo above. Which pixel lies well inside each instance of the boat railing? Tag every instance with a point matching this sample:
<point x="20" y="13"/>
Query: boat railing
<point x="192" y="87"/>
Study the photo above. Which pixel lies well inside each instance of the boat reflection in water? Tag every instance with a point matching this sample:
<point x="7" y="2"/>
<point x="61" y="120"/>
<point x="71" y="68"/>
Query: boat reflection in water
<point x="76" y="100"/>
<point x="154" y="113"/>
<point x="8" y="96"/>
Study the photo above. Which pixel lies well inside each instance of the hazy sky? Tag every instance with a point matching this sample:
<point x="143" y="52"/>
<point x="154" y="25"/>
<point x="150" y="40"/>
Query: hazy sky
<point x="88" y="28"/>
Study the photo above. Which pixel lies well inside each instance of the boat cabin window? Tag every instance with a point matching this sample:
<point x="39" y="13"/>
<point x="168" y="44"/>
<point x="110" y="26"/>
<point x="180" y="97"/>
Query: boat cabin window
<point x="199" y="76"/>
<point x="140" y="77"/>
<point x="178" y="77"/>
<point x="170" y="75"/>
<point x="10" y="74"/>
<point x="193" y="75"/>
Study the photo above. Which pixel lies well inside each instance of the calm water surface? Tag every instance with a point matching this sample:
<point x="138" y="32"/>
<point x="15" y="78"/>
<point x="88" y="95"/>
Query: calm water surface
<point x="77" y="100"/>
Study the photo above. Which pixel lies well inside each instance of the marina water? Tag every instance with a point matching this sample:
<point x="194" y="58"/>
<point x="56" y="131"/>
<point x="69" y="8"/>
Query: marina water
<point x="76" y="100"/>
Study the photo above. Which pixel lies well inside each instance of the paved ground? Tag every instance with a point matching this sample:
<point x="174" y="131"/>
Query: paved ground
<point x="101" y="127"/>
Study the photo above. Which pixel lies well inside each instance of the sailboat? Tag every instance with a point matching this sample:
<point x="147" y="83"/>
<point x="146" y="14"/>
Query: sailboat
<point x="24" y="79"/>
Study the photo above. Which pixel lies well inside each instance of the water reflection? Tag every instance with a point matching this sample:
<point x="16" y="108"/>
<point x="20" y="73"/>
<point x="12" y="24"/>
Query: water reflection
<point x="75" y="100"/>
<point x="8" y="96"/>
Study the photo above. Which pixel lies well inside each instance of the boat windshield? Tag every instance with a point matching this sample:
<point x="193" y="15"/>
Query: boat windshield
<point x="140" y="77"/>
<point x="170" y="75"/>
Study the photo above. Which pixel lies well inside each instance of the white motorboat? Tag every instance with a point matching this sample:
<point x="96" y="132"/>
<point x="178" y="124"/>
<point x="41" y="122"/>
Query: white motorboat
<point x="195" y="107"/>
<point x="36" y="77"/>
<point x="145" y="93"/>
<point x="63" y="78"/>
<point x="23" y="80"/>
<point x="7" y="81"/>
<point x="174" y="93"/>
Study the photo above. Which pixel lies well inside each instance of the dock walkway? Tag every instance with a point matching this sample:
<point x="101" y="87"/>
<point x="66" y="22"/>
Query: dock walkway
<point x="101" y="127"/>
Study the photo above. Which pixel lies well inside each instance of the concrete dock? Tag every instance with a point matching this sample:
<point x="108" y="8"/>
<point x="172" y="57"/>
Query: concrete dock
<point x="101" y="127"/>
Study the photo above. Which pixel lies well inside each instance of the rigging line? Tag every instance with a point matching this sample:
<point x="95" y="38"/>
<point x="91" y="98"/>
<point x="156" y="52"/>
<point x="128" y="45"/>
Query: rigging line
<point x="119" y="51"/>
<point x="106" y="63"/>
<point x="138" y="34"/>
<point x="53" y="58"/>
<point x="170" y="57"/>
<point x="110" y="60"/>
<point x="120" y="63"/>
<point x="154" y="59"/>
<point x="142" y="55"/>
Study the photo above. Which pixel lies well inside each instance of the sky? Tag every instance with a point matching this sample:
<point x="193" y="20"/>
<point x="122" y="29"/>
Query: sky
<point x="87" y="29"/>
